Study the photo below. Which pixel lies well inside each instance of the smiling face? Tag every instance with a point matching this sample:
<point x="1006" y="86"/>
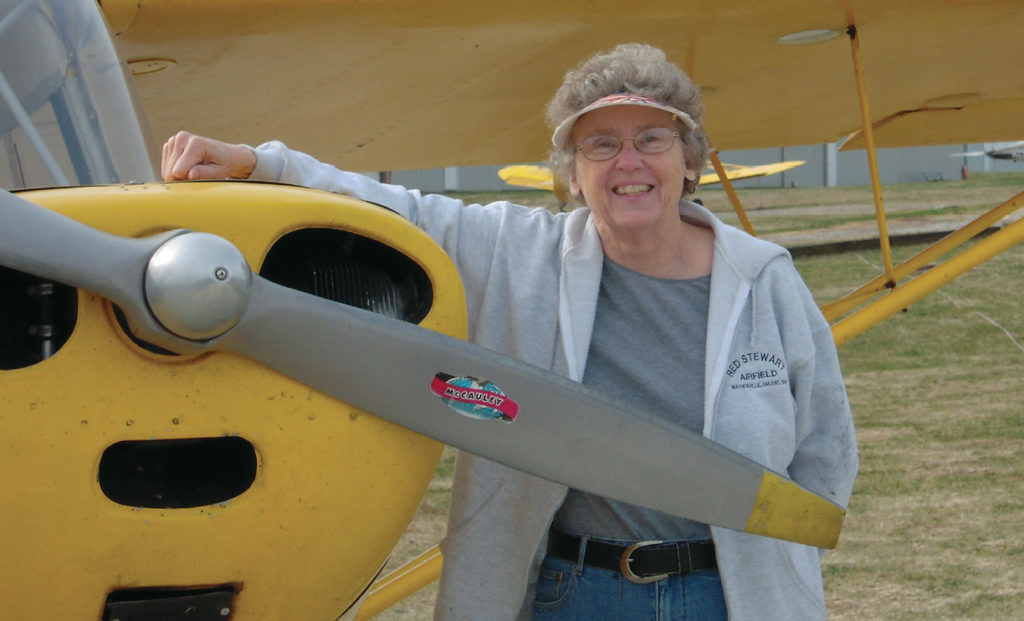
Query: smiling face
<point x="633" y="193"/>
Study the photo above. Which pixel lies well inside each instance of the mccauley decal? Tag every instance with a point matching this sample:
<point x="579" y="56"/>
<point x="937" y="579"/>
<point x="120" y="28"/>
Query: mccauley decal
<point x="474" y="398"/>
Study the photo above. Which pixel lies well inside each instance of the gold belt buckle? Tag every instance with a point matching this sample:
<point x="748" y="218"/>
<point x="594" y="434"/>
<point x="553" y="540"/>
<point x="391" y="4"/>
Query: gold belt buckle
<point x="626" y="559"/>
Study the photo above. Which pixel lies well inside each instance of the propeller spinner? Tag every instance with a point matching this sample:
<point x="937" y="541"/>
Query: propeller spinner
<point x="197" y="285"/>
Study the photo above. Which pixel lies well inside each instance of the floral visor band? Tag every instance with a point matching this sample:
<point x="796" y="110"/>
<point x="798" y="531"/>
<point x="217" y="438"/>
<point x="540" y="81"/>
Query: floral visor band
<point x="619" y="99"/>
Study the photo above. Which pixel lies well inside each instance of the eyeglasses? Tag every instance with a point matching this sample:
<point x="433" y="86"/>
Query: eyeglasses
<point x="601" y="148"/>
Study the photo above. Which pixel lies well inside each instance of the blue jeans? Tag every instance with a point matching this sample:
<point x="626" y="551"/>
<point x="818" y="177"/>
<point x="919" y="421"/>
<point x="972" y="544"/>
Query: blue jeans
<point x="570" y="590"/>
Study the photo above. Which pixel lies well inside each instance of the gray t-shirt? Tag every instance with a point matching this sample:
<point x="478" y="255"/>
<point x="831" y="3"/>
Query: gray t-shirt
<point x="649" y="340"/>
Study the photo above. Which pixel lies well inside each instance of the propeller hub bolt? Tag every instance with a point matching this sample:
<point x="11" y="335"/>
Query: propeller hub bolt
<point x="183" y="296"/>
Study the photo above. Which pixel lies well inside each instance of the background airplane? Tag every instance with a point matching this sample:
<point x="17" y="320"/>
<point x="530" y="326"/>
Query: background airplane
<point x="539" y="177"/>
<point x="1013" y="151"/>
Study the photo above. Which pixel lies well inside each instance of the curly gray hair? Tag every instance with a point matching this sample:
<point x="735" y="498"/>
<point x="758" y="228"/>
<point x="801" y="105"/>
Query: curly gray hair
<point x="629" y="68"/>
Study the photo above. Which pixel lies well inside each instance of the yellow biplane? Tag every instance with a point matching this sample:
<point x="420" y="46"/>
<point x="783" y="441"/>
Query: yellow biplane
<point x="161" y="461"/>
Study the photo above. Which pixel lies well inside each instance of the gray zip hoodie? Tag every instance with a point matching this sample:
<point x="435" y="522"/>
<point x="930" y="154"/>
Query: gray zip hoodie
<point x="773" y="387"/>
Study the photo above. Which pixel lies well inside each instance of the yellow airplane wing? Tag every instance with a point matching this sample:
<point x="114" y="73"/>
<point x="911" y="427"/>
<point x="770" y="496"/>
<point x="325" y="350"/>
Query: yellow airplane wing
<point x="401" y="84"/>
<point x="528" y="176"/>
<point x="539" y="177"/>
<point x="735" y="172"/>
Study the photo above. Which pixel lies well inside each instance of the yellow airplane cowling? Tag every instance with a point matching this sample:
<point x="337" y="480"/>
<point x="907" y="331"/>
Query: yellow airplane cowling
<point x="283" y="503"/>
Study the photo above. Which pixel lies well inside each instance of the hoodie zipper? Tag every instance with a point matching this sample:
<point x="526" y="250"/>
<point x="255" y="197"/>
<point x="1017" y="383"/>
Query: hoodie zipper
<point x="722" y="360"/>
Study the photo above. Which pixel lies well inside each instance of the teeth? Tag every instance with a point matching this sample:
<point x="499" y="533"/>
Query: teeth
<point x="632" y="189"/>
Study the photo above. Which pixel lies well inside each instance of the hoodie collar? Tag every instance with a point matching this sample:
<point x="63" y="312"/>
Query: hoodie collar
<point x="745" y="254"/>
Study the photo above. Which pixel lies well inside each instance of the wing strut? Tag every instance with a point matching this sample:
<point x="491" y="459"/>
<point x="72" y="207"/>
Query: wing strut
<point x="900" y="298"/>
<point x="729" y="191"/>
<point x="869" y="141"/>
<point x="412" y="576"/>
<point x="835" y="310"/>
<point x="931" y="280"/>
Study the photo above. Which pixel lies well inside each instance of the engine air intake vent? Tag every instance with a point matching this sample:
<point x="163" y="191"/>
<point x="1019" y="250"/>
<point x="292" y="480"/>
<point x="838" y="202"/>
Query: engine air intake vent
<point x="36" y="318"/>
<point x="351" y="269"/>
<point x="176" y="474"/>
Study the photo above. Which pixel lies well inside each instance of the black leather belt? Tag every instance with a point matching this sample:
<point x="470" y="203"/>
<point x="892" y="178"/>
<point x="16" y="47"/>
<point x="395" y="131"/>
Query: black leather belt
<point x="644" y="562"/>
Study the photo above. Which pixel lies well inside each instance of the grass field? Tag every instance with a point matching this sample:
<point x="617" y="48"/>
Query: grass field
<point x="933" y="529"/>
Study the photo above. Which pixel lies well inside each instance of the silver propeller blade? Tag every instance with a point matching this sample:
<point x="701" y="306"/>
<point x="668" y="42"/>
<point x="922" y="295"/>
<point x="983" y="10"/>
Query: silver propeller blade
<point x="193" y="291"/>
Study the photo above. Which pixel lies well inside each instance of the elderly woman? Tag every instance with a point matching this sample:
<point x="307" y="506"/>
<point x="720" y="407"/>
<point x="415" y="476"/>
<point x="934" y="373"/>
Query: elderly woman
<point x="637" y="292"/>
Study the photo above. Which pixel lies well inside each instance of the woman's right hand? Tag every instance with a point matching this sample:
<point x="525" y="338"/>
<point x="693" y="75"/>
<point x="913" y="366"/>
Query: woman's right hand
<point x="190" y="157"/>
